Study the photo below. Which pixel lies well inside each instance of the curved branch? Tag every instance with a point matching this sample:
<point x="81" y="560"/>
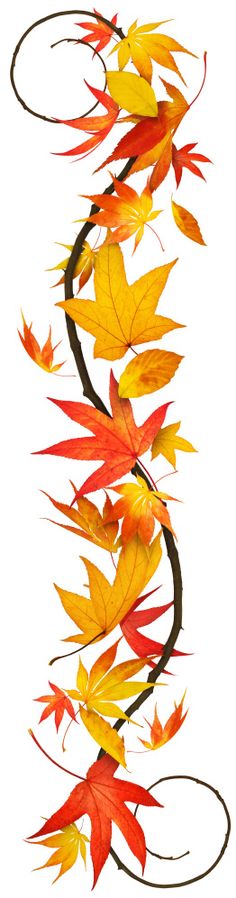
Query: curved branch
<point x="55" y="15"/>
<point x="185" y="882"/>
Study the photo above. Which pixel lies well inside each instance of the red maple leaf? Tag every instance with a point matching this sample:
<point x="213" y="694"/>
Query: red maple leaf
<point x="103" y="799"/>
<point x="99" y="32"/>
<point x="97" y="125"/>
<point x="142" y="645"/>
<point x="117" y="440"/>
<point x="58" y="703"/>
<point x="183" y="158"/>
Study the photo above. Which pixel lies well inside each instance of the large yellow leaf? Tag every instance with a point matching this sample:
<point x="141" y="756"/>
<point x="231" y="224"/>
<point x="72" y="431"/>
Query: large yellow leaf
<point x="108" y="604"/>
<point x="104" y="734"/>
<point x="132" y="93"/>
<point x="167" y="442"/>
<point x="186" y="223"/>
<point x="122" y="315"/>
<point x="97" y="691"/>
<point x="141" y="47"/>
<point x="148" y="372"/>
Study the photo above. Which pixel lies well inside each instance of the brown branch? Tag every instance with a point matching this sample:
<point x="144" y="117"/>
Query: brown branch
<point x="185" y="882"/>
<point x="55" y="15"/>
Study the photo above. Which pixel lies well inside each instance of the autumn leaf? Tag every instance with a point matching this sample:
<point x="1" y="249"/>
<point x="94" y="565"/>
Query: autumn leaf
<point x="141" y="47"/>
<point x="118" y="440"/>
<point x="123" y="315"/>
<point x="160" y="735"/>
<point x="167" y="442"/>
<point x="107" y="604"/>
<point x="132" y="93"/>
<point x="57" y="703"/>
<point x="186" y="223"/>
<point x="142" y="645"/>
<point x="99" y="32"/>
<point x="103" y="799"/>
<point x="147" y="372"/>
<point x="162" y="165"/>
<point x="43" y="357"/>
<point x="90" y="524"/>
<point x="99" y="125"/>
<point x="143" y="141"/>
<point x="184" y="158"/>
<point x="127" y="212"/>
<point x="69" y="842"/>
<point x="139" y="507"/>
<point x="99" y="692"/>
<point x="83" y="268"/>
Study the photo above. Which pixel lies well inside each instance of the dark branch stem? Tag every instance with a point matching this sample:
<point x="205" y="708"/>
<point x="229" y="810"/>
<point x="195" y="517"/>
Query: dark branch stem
<point x="185" y="882"/>
<point x="55" y="15"/>
<point x="93" y="397"/>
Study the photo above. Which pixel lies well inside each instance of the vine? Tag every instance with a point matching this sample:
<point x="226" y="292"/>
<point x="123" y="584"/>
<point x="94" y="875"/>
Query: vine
<point x="117" y="440"/>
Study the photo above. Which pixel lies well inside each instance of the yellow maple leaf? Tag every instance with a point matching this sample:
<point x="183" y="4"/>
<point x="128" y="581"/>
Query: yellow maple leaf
<point x="98" y="615"/>
<point x="99" y="691"/>
<point x="167" y="442"/>
<point x="141" y="47"/>
<point x="69" y="842"/>
<point x="122" y="316"/>
<point x="83" y="268"/>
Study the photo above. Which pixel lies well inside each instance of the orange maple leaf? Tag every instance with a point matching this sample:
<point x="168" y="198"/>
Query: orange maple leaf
<point x="127" y="212"/>
<point x="58" y="704"/>
<point x="139" y="507"/>
<point x="43" y="357"/>
<point x="160" y="735"/>
<point x="88" y="522"/>
<point x="99" y="125"/>
<point x="99" y="32"/>
<point x="117" y="440"/>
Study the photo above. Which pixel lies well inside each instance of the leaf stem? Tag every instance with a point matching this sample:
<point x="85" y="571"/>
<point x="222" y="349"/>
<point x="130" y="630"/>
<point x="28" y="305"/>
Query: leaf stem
<point x="52" y="759"/>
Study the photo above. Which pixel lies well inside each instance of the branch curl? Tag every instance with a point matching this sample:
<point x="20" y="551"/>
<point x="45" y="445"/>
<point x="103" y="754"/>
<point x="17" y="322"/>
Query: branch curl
<point x="185" y="882"/>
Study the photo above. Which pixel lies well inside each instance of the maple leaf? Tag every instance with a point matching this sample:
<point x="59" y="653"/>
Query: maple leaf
<point x="99" y="125"/>
<point x="103" y="798"/>
<point x="83" y="268"/>
<point x="122" y="316"/>
<point x="118" y="440"/>
<point x="139" y="507"/>
<point x="69" y="842"/>
<point x="186" y="223"/>
<point x="43" y="357"/>
<point x="100" y="690"/>
<point x="90" y="524"/>
<point x="127" y="212"/>
<point x="160" y="735"/>
<point x="142" y="645"/>
<point x="107" y="604"/>
<point x="99" y="32"/>
<point x="184" y="158"/>
<point x="141" y="47"/>
<point x="143" y="141"/>
<point x="167" y="442"/>
<point x="58" y="704"/>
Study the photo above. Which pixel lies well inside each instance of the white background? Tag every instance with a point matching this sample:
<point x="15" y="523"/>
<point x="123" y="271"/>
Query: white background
<point x="40" y="193"/>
